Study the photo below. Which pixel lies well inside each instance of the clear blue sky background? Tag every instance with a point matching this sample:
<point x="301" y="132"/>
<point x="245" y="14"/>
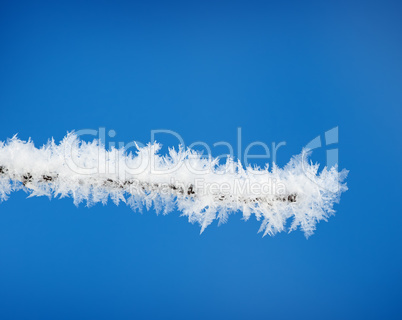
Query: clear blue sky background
<point x="282" y="71"/>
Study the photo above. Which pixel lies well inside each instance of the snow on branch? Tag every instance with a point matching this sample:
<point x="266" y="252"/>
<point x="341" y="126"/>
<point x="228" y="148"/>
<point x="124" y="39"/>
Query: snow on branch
<point x="199" y="187"/>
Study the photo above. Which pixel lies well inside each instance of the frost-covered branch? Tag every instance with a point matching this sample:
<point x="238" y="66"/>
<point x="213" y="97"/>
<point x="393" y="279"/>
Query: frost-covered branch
<point x="201" y="188"/>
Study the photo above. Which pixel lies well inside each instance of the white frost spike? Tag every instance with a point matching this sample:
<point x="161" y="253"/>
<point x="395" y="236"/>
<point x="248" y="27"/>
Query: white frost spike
<point x="199" y="187"/>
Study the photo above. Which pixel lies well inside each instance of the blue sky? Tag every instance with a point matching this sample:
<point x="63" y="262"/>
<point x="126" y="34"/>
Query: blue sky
<point x="282" y="71"/>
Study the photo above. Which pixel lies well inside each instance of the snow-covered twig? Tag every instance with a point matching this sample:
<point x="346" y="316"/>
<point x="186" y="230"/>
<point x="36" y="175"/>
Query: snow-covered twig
<point x="201" y="188"/>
